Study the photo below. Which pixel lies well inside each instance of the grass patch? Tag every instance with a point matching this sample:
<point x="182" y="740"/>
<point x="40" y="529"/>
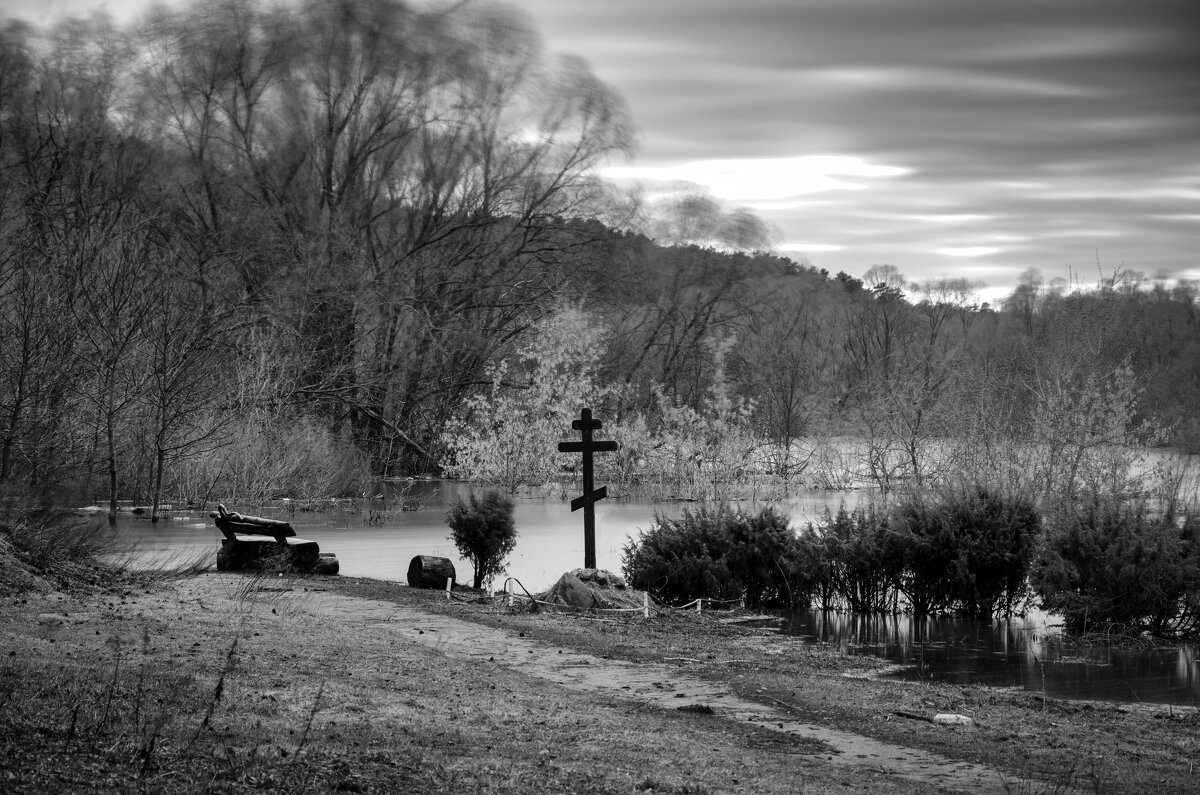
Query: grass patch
<point x="57" y="551"/>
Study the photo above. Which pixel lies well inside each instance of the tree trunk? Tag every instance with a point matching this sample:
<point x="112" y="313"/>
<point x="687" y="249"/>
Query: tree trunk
<point x="426" y="571"/>
<point x="112" y="471"/>
<point x="159" y="462"/>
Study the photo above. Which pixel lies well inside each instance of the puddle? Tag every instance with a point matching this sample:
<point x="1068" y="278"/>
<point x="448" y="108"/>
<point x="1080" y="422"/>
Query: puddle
<point x="1023" y="653"/>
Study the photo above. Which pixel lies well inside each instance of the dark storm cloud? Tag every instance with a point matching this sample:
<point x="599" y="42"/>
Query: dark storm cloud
<point x="1042" y="133"/>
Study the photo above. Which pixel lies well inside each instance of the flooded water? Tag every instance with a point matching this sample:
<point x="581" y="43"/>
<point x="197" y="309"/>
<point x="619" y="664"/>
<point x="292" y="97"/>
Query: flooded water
<point x="1024" y="654"/>
<point x="1027" y="653"/>
<point x="549" y="540"/>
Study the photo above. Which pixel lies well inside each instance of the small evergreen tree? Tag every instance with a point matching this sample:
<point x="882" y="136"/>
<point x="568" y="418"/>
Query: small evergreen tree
<point x="483" y="531"/>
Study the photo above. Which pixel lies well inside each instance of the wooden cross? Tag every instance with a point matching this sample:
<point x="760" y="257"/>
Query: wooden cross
<point x="585" y="425"/>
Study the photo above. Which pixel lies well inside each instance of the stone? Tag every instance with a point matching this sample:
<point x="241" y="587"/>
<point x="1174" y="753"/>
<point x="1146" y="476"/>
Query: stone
<point x="601" y="577"/>
<point x="593" y="589"/>
<point x="951" y="719"/>
<point x="571" y="591"/>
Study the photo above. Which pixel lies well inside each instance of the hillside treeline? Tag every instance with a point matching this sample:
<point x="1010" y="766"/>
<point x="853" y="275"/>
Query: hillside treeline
<point x="252" y="253"/>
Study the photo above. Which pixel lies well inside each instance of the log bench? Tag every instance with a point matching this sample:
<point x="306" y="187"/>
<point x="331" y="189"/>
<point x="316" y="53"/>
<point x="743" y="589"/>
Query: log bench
<point x="253" y="542"/>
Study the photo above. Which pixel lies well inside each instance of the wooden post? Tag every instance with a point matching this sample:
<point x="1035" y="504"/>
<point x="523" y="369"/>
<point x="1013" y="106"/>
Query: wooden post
<point x="645" y="604"/>
<point x="508" y="586"/>
<point x="585" y="425"/>
<point x="699" y="605"/>
<point x="449" y="582"/>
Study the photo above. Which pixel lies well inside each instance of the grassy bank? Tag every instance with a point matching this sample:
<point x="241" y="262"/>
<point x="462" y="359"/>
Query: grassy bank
<point x="229" y="683"/>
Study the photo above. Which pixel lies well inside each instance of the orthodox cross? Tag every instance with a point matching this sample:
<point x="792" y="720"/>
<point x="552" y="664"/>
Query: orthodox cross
<point x="585" y="425"/>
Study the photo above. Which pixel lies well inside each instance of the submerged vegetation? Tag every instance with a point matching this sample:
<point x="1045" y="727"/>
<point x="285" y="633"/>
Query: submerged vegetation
<point x="1116" y="567"/>
<point x="1109" y="567"/>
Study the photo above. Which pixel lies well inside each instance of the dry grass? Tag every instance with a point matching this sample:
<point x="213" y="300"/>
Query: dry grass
<point x="226" y="683"/>
<point x="56" y="551"/>
<point x="237" y="691"/>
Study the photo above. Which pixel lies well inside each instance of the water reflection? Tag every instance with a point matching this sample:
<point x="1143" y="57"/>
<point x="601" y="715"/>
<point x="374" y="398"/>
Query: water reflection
<point x="1024" y="653"/>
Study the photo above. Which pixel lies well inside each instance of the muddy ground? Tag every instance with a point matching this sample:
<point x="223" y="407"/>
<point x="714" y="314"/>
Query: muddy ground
<point x="231" y="683"/>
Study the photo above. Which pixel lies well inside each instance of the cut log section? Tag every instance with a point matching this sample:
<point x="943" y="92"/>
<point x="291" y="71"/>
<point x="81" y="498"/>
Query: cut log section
<point x="327" y="564"/>
<point x="427" y="571"/>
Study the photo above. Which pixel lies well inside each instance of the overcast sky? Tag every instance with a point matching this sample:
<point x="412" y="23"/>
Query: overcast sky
<point x="945" y="137"/>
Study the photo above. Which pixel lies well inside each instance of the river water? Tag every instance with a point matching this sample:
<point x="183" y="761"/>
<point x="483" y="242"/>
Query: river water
<point x="1026" y="653"/>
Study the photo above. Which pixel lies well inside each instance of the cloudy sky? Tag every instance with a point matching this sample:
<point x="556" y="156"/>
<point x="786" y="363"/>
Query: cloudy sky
<point x="945" y="137"/>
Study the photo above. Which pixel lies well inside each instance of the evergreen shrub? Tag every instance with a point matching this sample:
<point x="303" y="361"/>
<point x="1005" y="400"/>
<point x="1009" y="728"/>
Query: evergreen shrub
<point x="1116" y="567"/>
<point x="483" y="530"/>
<point x="719" y="554"/>
<point x="967" y="550"/>
<point x="853" y="562"/>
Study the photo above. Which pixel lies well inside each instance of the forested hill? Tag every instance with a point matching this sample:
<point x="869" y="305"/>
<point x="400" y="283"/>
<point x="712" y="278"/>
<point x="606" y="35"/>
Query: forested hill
<point x="254" y="252"/>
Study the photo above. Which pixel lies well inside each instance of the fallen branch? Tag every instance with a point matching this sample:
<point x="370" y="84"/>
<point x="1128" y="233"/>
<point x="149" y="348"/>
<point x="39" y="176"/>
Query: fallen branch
<point x="913" y="716"/>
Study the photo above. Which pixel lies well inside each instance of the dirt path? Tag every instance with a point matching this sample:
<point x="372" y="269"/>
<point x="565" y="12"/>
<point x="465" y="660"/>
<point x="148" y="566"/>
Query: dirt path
<point x="654" y="685"/>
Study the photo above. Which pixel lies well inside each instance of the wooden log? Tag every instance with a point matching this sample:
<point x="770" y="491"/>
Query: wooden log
<point x="265" y="552"/>
<point x="327" y="564"/>
<point x="232" y="522"/>
<point x="427" y="571"/>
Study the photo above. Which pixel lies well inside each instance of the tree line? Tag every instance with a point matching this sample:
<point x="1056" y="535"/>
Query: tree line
<point x="254" y="253"/>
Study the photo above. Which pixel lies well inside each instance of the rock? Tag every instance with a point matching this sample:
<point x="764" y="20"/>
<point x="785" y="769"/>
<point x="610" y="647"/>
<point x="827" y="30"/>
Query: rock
<point x="950" y="719"/>
<point x="601" y="577"/>
<point x="587" y="592"/>
<point x="570" y="591"/>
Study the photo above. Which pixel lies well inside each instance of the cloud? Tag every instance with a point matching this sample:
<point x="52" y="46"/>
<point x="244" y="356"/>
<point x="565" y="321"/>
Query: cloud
<point x="763" y="179"/>
<point x="969" y="251"/>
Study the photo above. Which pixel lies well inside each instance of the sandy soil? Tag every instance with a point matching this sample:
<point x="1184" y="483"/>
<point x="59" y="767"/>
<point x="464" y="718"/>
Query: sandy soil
<point x="230" y="683"/>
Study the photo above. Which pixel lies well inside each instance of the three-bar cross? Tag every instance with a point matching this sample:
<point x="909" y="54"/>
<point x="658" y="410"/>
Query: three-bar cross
<point x="585" y="425"/>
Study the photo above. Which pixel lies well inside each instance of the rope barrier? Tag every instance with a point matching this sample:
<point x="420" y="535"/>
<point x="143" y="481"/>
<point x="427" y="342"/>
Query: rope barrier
<point x="511" y="596"/>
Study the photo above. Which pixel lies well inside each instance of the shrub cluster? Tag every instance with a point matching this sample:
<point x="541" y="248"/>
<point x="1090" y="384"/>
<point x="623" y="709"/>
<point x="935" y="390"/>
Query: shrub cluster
<point x="968" y="551"/>
<point x="1104" y="565"/>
